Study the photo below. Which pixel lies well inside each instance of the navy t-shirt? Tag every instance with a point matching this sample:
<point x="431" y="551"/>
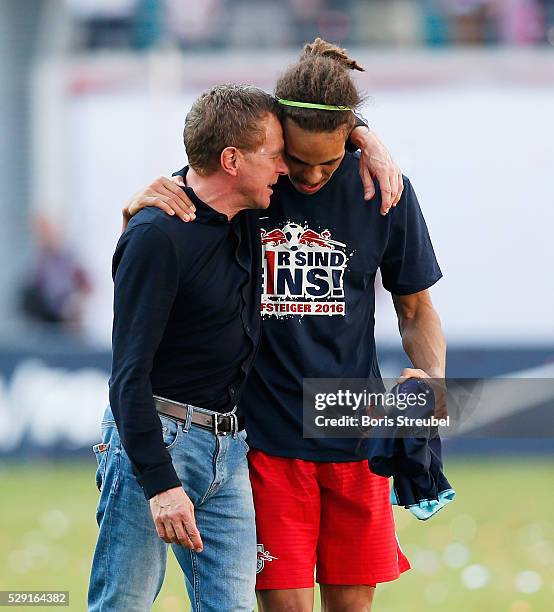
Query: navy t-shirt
<point x="320" y="257"/>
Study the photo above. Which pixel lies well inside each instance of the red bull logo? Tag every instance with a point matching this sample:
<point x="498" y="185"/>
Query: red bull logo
<point x="303" y="272"/>
<point x="273" y="238"/>
<point x="263" y="557"/>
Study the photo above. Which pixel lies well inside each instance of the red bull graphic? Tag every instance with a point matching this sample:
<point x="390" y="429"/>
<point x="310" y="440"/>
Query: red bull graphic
<point x="263" y="557"/>
<point x="274" y="237"/>
<point x="303" y="272"/>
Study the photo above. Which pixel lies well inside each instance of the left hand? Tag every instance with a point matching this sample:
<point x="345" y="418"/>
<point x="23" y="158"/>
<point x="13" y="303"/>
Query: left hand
<point x="376" y="161"/>
<point x="435" y="381"/>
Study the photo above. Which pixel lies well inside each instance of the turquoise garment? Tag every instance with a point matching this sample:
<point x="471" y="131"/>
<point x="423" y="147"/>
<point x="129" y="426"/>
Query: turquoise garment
<point x="426" y="508"/>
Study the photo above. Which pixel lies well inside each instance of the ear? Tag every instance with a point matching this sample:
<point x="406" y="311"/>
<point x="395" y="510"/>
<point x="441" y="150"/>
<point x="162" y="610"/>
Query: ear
<point x="347" y="130"/>
<point x="229" y="160"/>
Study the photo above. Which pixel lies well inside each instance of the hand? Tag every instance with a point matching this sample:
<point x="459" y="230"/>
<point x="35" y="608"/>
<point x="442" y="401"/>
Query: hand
<point x="165" y="194"/>
<point x="173" y="515"/>
<point x="437" y="383"/>
<point x="375" y="161"/>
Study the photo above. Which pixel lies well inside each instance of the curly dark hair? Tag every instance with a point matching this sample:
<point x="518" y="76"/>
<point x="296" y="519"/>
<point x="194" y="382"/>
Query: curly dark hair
<point x="320" y="76"/>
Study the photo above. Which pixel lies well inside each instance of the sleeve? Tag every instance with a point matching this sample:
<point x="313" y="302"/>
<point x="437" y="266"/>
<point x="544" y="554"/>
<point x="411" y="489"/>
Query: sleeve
<point x="409" y="264"/>
<point x="146" y="278"/>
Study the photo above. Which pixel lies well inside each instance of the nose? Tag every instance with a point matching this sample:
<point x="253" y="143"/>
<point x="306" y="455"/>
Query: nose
<point x="282" y="167"/>
<point x="313" y="176"/>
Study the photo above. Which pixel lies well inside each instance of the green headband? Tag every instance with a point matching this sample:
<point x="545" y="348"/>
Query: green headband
<point x="312" y="105"/>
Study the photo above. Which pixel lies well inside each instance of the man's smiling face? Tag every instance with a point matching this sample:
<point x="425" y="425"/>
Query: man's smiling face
<point x="312" y="157"/>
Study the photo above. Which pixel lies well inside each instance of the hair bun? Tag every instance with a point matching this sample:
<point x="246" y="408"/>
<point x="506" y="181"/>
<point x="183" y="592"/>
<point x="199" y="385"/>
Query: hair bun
<point x="325" y="49"/>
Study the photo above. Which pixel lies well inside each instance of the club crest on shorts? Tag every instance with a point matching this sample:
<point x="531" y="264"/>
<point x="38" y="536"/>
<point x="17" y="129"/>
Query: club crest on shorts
<point x="263" y="556"/>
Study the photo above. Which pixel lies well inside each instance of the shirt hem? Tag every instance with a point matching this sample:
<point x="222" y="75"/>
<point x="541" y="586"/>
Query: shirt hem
<point x="307" y="456"/>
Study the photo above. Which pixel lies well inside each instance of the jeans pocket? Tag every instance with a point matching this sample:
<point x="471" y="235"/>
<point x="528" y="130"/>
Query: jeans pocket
<point x="101" y="453"/>
<point x="170" y="430"/>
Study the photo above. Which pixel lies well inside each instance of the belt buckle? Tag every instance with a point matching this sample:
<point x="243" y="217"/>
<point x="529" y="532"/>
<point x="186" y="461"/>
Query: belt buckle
<point x="215" y="417"/>
<point x="234" y="424"/>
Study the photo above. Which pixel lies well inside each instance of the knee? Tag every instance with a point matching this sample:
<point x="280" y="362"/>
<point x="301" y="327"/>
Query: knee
<point x="347" y="607"/>
<point x="285" y="606"/>
<point x="288" y="601"/>
<point x="346" y="599"/>
<point x="351" y="605"/>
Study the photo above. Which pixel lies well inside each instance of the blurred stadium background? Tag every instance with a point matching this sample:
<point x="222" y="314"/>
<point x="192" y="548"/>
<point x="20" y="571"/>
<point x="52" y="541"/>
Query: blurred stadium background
<point x="94" y="94"/>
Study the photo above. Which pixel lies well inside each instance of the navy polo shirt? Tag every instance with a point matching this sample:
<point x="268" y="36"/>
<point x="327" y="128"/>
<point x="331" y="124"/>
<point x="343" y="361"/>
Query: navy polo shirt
<point x="320" y="257"/>
<point x="186" y="324"/>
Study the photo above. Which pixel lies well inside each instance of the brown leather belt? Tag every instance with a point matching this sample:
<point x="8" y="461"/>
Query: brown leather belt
<point x="218" y="423"/>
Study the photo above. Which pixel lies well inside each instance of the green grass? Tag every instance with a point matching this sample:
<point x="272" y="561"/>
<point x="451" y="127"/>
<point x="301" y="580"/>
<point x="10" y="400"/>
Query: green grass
<point x="501" y="524"/>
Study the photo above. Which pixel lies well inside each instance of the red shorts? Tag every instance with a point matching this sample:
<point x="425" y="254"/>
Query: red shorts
<point x="335" y="517"/>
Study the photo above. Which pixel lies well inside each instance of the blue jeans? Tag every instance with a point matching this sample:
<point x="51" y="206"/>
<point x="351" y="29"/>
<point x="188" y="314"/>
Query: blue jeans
<point x="130" y="558"/>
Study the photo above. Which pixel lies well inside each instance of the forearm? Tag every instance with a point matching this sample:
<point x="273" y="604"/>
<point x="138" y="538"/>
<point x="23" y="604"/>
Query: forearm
<point x="137" y="333"/>
<point x="141" y="432"/>
<point x="423" y="340"/>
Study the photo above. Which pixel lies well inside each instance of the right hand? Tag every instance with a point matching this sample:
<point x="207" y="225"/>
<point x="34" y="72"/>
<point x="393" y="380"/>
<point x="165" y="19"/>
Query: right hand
<point x="173" y="515"/>
<point x="163" y="193"/>
<point x="436" y="380"/>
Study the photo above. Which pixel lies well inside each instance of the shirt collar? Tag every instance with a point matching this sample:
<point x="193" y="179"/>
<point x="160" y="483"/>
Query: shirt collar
<point x="204" y="212"/>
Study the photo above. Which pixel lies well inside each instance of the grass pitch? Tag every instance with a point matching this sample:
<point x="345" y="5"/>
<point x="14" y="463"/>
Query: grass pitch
<point x="491" y="550"/>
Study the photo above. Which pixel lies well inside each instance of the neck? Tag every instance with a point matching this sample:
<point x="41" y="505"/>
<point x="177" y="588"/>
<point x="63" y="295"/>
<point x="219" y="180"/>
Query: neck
<point x="217" y="191"/>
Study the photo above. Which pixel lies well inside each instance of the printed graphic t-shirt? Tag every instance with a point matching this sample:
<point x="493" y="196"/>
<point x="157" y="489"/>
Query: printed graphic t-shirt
<point x="320" y="257"/>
